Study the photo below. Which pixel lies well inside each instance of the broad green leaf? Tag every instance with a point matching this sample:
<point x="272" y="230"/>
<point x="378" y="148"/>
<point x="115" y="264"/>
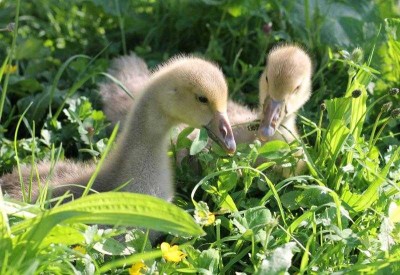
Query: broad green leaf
<point x="290" y="200"/>
<point x="227" y="203"/>
<point x="202" y="214"/>
<point x="339" y="109"/>
<point x="227" y="181"/>
<point x="135" y="240"/>
<point x="111" y="247"/>
<point x="27" y="86"/>
<point x="360" y="202"/>
<point x="199" y="143"/>
<point x="265" y="165"/>
<point x="389" y="53"/>
<point x="61" y="234"/>
<point x="335" y="137"/>
<point x="209" y="260"/>
<point x="313" y="196"/>
<point x="254" y="219"/>
<point x="358" y="105"/>
<point x="182" y="141"/>
<point x="279" y="261"/>
<point x="385" y="234"/>
<point x="114" y="209"/>
<point x="274" y="149"/>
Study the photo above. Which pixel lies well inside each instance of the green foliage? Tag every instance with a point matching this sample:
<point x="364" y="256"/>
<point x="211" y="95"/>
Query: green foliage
<point x="342" y="215"/>
<point x="48" y="233"/>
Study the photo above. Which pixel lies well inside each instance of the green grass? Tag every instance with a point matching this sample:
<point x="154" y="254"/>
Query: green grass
<point x="342" y="215"/>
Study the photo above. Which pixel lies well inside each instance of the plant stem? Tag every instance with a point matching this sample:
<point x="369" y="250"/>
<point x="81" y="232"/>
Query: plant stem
<point x="380" y="132"/>
<point x="374" y="129"/>
<point x="218" y="232"/>
<point x="121" y="27"/>
<point x="318" y="141"/>
<point x="10" y="57"/>
<point x="33" y="149"/>
<point x="146" y="237"/>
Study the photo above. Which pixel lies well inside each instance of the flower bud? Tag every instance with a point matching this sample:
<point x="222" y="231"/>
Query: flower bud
<point x="386" y="107"/>
<point x="267" y="28"/>
<point x="323" y="106"/>
<point x="357" y="55"/>
<point x="345" y="54"/>
<point x="11" y="27"/>
<point x="394" y="91"/>
<point x="356" y="93"/>
<point x="395" y="113"/>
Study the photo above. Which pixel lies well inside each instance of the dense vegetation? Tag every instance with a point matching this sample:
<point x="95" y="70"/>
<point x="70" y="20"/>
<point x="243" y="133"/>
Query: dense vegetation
<point x="342" y="215"/>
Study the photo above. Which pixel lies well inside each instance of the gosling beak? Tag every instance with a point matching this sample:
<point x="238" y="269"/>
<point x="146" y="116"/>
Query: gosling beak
<point x="271" y="118"/>
<point x="219" y="129"/>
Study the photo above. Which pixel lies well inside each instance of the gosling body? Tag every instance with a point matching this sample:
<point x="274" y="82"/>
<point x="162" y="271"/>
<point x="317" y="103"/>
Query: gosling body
<point x="186" y="90"/>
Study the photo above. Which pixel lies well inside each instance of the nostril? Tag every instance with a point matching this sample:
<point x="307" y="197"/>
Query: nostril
<point x="223" y="130"/>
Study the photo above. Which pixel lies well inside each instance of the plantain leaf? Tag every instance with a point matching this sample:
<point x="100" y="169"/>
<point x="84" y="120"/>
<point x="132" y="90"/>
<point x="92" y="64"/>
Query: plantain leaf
<point x="113" y="208"/>
<point x="63" y="234"/>
<point x="360" y="202"/>
<point x="274" y="149"/>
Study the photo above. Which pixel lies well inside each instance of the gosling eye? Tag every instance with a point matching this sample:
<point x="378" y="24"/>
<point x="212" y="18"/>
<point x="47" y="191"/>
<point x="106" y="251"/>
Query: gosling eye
<point x="266" y="79"/>
<point x="202" y="99"/>
<point x="297" y="89"/>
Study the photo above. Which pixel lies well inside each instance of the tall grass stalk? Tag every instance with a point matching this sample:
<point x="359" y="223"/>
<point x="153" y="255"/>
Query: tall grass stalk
<point x="10" y="57"/>
<point x="121" y="27"/>
<point x="58" y="77"/>
<point x="43" y="190"/>
<point x="100" y="164"/>
<point x="33" y="150"/>
<point x="21" y="180"/>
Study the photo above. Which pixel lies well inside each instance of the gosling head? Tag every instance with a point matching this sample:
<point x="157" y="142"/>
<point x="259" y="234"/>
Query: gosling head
<point x="195" y="93"/>
<point x="285" y="86"/>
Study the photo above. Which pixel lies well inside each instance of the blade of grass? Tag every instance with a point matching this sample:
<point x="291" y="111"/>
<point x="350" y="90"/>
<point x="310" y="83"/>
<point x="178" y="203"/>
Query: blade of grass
<point x="101" y="161"/>
<point x="10" y="58"/>
<point x="119" y="83"/>
<point x="16" y="153"/>
<point x="121" y="26"/>
<point x="59" y="74"/>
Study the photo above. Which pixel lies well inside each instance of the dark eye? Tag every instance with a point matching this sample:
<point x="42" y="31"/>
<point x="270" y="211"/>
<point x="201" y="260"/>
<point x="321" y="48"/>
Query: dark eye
<point x="202" y="99"/>
<point x="266" y="78"/>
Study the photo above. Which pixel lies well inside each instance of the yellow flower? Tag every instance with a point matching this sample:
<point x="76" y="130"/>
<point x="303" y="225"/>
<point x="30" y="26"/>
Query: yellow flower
<point x="136" y="268"/>
<point x="202" y="214"/>
<point x="80" y="249"/>
<point x="210" y="219"/>
<point x="10" y="69"/>
<point x="172" y="253"/>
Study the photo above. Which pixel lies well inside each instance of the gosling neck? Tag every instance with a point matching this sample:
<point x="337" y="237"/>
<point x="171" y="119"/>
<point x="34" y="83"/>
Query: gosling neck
<point x="140" y="156"/>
